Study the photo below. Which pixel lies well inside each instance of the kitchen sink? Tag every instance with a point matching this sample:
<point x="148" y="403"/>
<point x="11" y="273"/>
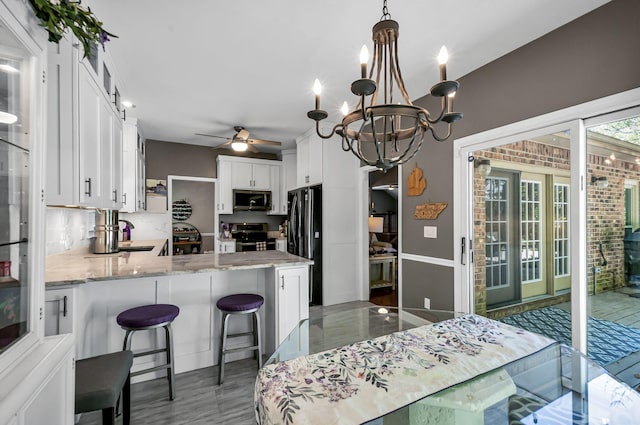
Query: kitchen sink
<point x="136" y="248"/>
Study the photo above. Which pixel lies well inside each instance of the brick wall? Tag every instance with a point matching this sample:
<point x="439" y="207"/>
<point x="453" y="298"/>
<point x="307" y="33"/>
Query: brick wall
<point x="605" y="211"/>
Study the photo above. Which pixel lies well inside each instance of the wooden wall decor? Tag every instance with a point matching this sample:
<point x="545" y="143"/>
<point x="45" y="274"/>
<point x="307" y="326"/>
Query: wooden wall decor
<point x="429" y="211"/>
<point x="416" y="183"/>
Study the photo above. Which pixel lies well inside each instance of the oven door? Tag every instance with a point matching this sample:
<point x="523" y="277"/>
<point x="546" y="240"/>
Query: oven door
<point x="245" y="246"/>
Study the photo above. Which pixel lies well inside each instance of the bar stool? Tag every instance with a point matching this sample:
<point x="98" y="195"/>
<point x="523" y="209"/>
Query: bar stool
<point x="239" y="304"/>
<point x="148" y="317"/>
<point x="99" y="382"/>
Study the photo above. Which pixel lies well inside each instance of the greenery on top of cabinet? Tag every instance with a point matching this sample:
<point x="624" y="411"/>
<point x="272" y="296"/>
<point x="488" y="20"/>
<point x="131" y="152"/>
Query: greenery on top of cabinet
<point x="58" y="15"/>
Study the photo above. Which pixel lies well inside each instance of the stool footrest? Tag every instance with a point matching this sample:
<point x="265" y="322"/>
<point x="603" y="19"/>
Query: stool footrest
<point x="151" y="369"/>
<point x="148" y="353"/>
<point x="240" y="334"/>
<point x="233" y="350"/>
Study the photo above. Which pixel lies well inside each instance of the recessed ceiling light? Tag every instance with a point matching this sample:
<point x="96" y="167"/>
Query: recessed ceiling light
<point x="8" y="68"/>
<point x="7" y="118"/>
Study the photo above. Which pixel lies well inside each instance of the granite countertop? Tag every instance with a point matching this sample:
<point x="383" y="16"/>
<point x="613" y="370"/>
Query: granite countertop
<point x="81" y="266"/>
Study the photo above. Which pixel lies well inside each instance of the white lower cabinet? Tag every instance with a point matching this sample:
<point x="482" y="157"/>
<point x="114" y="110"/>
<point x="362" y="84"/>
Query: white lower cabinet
<point x="46" y="395"/>
<point x="288" y="288"/>
<point x="58" y="311"/>
<point x="196" y="330"/>
<point x="226" y="246"/>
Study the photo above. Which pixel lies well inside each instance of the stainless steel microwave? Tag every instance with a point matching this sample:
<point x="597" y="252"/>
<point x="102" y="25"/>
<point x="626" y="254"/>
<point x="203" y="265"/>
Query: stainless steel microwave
<point x="251" y="200"/>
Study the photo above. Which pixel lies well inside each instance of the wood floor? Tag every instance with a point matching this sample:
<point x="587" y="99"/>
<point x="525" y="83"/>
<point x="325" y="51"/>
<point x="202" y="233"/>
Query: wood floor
<point x="199" y="399"/>
<point x="384" y="296"/>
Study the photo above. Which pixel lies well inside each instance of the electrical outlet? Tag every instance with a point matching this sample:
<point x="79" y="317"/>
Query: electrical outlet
<point x="427" y="303"/>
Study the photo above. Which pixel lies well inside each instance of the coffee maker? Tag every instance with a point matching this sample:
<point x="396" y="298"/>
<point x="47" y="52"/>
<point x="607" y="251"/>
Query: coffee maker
<point x="107" y="232"/>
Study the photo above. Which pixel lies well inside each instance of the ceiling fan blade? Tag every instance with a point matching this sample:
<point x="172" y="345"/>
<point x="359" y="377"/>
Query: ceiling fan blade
<point x="252" y="148"/>
<point x="222" y="145"/>
<point x="242" y="134"/>
<point x="211" y="135"/>
<point x="264" y="142"/>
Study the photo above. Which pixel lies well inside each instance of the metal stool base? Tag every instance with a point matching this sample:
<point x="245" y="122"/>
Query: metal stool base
<point x="169" y="365"/>
<point x="257" y="342"/>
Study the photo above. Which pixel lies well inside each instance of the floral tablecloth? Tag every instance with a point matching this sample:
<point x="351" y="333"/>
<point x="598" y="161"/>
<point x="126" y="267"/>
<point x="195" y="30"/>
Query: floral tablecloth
<point x="365" y="380"/>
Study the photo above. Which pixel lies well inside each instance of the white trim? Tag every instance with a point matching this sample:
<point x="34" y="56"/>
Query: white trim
<point x="170" y="179"/>
<point x="427" y="260"/>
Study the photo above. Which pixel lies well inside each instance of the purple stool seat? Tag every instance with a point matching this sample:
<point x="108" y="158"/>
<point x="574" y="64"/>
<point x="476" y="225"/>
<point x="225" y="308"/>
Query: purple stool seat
<point x="147" y="315"/>
<point x="240" y="302"/>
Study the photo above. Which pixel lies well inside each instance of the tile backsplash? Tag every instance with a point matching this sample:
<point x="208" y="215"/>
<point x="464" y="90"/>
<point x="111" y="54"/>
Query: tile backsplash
<point x="68" y="228"/>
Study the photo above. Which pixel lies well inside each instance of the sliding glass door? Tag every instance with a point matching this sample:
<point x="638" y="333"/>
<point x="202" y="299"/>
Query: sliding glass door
<point x="613" y="243"/>
<point x="521" y="210"/>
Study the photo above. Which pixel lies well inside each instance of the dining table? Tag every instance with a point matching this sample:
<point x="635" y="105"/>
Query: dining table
<point x="388" y="365"/>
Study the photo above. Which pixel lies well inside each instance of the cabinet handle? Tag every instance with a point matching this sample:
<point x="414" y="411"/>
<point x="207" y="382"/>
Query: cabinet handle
<point x="115" y="195"/>
<point x="223" y="206"/>
<point x="306" y="179"/>
<point x="64" y="306"/>
<point x="282" y="284"/>
<point x="124" y="198"/>
<point x="88" y="187"/>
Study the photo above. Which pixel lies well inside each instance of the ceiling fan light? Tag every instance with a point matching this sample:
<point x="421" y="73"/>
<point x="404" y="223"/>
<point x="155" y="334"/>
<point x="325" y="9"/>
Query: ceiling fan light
<point x="239" y="146"/>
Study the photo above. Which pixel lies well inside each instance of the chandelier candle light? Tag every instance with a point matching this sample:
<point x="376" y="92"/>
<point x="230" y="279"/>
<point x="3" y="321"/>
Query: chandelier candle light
<point x="388" y="133"/>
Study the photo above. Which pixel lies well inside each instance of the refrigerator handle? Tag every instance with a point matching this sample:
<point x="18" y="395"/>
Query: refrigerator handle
<point x="310" y="235"/>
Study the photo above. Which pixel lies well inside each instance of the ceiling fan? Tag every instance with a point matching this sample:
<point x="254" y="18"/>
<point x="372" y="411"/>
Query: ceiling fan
<point x="241" y="141"/>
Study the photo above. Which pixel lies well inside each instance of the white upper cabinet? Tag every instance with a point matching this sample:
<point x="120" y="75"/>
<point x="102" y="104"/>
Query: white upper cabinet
<point x="62" y="147"/>
<point x="278" y="194"/>
<point x="289" y="168"/>
<point x="91" y="131"/>
<point x="85" y="129"/>
<point x="251" y="176"/>
<point x="224" y="204"/>
<point x="309" y="159"/>
<point x="133" y="168"/>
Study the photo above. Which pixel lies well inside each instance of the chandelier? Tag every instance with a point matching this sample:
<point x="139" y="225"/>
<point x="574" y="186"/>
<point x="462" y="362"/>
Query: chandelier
<point x="388" y="131"/>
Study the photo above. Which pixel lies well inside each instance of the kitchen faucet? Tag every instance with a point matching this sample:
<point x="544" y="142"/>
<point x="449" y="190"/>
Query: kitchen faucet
<point x="126" y="232"/>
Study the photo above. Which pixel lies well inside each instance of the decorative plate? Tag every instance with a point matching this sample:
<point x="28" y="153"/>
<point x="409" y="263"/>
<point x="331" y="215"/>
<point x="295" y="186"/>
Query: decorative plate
<point x="181" y="210"/>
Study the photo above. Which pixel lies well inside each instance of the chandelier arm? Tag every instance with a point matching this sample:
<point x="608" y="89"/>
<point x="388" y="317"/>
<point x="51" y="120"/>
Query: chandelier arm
<point x="442" y="111"/>
<point x="396" y="70"/>
<point x="438" y="138"/>
<point x="330" y="135"/>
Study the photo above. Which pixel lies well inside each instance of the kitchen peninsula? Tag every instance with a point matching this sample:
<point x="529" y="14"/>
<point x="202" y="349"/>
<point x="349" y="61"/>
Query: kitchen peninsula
<point x="85" y="292"/>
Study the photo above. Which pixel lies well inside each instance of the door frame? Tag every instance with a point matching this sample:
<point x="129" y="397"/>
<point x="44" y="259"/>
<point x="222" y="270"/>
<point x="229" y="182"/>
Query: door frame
<point x="216" y="227"/>
<point x="571" y="118"/>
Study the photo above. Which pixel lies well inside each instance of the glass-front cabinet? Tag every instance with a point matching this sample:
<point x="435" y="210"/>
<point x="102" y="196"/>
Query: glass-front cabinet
<point x="37" y="373"/>
<point x="15" y="281"/>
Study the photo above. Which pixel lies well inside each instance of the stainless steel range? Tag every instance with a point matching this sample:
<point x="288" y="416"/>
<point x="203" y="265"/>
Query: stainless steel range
<point x="252" y="237"/>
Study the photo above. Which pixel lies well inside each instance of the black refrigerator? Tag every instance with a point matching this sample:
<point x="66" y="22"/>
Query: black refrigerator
<point x="304" y="237"/>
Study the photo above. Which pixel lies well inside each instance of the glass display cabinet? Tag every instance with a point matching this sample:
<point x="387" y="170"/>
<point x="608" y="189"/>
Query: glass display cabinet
<point x="15" y="281"/>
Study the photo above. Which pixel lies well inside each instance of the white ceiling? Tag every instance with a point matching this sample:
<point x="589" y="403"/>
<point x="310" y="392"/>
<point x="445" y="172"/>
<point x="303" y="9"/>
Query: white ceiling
<point x="202" y="66"/>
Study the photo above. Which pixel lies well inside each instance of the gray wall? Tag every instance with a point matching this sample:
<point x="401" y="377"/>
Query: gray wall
<point x="589" y="58"/>
<point x="164" y="158"/>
